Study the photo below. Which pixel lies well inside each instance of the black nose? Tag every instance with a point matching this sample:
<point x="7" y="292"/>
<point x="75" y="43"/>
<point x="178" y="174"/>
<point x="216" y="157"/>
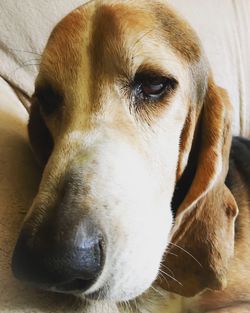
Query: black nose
<point x="68" y="260"/>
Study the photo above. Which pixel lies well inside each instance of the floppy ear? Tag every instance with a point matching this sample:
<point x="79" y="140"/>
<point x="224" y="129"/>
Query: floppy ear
<point x="39" y="135"/>
<point x="202" y="239"/>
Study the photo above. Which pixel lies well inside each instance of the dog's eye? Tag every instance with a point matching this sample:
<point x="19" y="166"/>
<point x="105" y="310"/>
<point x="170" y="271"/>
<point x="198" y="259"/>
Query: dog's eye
<point x="48" y="99"/>
<point x="152" y="87"/>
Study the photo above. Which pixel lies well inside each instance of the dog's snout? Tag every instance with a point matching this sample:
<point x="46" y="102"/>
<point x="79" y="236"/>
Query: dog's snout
<point x="70" y="262"/>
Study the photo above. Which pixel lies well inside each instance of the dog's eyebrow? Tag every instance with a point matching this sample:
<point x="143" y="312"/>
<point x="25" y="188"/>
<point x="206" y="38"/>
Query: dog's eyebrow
<point x="178" y="33"/>
<point x="155" y="70"/>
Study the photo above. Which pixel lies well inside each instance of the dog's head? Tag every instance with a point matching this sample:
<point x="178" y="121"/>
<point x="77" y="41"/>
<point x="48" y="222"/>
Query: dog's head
<point x="124" y="110"/>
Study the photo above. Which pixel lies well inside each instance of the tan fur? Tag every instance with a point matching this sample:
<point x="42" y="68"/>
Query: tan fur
<point x="89" y="56"/>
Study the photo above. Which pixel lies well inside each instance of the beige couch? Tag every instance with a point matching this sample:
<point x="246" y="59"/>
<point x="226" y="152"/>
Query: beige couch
<point x="224" y="27"/>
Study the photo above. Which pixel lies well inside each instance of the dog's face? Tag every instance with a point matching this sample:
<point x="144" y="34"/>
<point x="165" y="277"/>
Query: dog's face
<point x="113" y="96"/>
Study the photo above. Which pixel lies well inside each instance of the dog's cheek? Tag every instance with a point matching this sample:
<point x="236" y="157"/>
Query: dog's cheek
<point x="137" y="266"/>
<point x="139" y="262"/>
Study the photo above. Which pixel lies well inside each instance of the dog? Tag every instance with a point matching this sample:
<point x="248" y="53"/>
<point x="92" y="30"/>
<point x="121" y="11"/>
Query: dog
<point x="143" y="198"/>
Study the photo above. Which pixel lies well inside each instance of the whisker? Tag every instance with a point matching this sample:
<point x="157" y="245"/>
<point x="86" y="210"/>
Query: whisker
<point x="124" y="306"/>
<point x="167" y="268"/>
<point x="177" y="281"/>
<point x="136" y="305"/>
<point x="184" y="250"/>
<point x="128" y="306"/>
<point x="163" y="277"/>
<point x="157" y="291"/>
<point x="172" y="253"/>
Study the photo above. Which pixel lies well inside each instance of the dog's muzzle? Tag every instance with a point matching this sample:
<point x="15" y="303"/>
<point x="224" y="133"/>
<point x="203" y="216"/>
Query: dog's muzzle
<point x="63" y="258"/>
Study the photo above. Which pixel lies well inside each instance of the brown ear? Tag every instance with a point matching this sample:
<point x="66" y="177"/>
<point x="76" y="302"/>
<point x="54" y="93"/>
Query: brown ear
<point x="39" y="135"/>
<point x="202" y="239"/>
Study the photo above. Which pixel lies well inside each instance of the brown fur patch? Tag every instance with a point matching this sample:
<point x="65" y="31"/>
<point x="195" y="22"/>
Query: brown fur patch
<point x="64" y="44"/>
<point x="178" y="33"/>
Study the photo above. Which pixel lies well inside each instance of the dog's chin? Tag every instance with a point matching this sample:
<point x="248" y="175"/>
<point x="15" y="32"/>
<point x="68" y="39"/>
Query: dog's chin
<point x="117" y="295"/>
<point x="104" y="294"/>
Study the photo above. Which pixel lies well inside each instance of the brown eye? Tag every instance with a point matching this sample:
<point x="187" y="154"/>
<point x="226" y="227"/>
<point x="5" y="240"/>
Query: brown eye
<point x="152" y="87"/>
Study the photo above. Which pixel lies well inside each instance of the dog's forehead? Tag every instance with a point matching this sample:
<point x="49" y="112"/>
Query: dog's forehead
<point x="115" y="36"/>
<point x="119" y="34"/>
<point x="104" y="32"/>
